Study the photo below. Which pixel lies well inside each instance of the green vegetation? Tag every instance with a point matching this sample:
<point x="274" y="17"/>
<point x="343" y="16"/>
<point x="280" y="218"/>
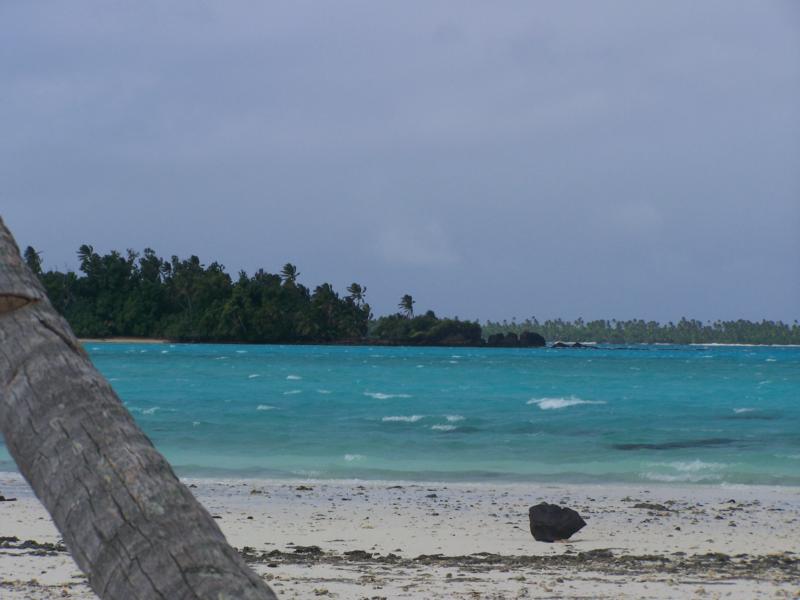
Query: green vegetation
<point x="637" y="331"/>
<point x="184" y="300"/>
<point x="425" y="330"/>
<point x="144" y="295"/>
<point x="147" y="296"/>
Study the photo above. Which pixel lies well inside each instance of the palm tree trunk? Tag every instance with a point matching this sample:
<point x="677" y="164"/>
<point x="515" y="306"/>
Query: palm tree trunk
<point x="130" y="525"/>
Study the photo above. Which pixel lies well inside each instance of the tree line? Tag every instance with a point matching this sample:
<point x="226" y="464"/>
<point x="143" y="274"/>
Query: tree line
<point x="638" y="331"/>
<point x="143" y="295"/>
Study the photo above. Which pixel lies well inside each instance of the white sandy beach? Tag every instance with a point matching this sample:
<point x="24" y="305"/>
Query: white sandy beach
<point x="297" y="539"/>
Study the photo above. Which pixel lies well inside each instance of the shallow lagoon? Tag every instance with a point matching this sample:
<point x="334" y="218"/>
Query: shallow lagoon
<point x="635" y="414"/>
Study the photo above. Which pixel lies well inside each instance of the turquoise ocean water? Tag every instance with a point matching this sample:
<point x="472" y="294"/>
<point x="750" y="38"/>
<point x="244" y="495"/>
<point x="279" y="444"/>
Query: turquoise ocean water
<point x="635" y="414"/>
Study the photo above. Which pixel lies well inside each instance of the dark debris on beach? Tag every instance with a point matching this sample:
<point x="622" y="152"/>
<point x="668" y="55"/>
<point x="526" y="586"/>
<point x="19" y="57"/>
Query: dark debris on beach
<point x="775" y="567"/>
<point x="31" y="547"/>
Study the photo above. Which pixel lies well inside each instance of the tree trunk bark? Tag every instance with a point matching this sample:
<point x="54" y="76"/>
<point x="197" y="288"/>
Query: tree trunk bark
<point x="131" y="526"/>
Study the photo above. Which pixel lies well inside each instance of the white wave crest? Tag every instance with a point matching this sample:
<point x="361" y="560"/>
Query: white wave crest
<point x="454" y="418"/>
<point x="323" y="391"/>
<point x="253" y="376"/>
<point x="382" y="396"/>
<point x="691" y="466"/>
<point x="352" y="457"/>
<point x="556" y="403"/>
<point x="739" y="411"/>
<point x="265" y="407"/>
<point x="694" y="471"/>
<point x="150" y="411"/>
<point x="293" y="377"/>
<point x="292" y="392"/>
<point x="306" y="473"/>
<point x="684" y="477"/>
<point x="444" y="427"/>
<point x="403" y="419"/>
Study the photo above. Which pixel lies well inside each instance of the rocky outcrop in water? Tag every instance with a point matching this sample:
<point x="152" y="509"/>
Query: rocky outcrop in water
<point x="527" y="339"/>
<point x="531" y="339"/>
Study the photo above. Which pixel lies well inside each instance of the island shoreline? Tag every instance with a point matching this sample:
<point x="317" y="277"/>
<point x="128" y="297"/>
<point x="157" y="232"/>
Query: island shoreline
<point x="391" y="343"/>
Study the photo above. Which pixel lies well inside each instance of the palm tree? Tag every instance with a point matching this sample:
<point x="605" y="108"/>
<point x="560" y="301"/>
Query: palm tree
<point x="289" y="274"/>
<point x="357" y="293"/>
<point x="33" y="259"/>
<point x="131" y="525"/>
<point x="87" y="257"/>
<point x="407" y="305"/>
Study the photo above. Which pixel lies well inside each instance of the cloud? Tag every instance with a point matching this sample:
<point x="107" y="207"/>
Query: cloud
<point x="640" y="217"/>
<point x="417" y="245"/>
<point x="421" y="147"/>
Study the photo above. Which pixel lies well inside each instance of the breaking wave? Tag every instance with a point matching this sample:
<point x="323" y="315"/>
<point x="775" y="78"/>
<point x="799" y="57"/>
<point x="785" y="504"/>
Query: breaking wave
<point x="556" y="403"/>
<point x="382" y="396"/>
<point x="403" y="419"/>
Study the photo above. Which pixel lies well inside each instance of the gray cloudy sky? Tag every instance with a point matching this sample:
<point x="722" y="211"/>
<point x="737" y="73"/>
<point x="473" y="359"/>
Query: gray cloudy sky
<point x="596" y="159"/>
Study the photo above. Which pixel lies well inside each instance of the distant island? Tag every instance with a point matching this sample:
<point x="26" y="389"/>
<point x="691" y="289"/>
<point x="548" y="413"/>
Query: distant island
<point x="137" y="295"/>
<point x="638" y="331"/>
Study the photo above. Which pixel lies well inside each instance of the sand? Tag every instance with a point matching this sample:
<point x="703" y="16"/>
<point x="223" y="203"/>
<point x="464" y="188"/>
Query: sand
<point x="123" y="340"/>
<point x="411" y="540"/>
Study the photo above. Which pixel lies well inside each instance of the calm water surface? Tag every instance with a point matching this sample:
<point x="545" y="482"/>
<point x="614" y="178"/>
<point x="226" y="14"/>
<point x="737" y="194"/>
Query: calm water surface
<point x="643" y="413"/>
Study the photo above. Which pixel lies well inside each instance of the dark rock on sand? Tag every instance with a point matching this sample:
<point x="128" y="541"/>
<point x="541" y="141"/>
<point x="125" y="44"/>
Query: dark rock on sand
<point x="550" y="522"/>
<point x="4" y="499"/>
